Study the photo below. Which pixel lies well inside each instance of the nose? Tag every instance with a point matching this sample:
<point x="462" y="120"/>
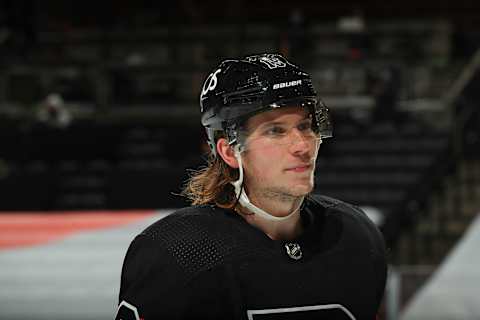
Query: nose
<point x="299" y="143"/>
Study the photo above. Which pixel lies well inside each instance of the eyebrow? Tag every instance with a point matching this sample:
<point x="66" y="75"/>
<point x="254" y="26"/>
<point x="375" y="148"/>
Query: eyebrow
<point x="274" y="122"/>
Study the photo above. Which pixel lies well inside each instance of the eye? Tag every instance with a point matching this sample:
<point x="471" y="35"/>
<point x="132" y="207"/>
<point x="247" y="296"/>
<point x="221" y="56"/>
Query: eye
<point x="275" y="131"/>
<point x="305" y="126"/>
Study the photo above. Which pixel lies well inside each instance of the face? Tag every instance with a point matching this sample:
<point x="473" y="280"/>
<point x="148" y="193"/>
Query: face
<point x="280" y="153"/>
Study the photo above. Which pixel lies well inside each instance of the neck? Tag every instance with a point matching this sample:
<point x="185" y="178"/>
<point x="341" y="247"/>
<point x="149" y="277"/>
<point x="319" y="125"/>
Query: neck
<point x="287" y="229"/>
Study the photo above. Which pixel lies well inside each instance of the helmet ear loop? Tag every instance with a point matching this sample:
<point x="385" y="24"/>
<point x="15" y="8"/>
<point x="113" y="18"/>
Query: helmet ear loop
<point x="238" y="184"/>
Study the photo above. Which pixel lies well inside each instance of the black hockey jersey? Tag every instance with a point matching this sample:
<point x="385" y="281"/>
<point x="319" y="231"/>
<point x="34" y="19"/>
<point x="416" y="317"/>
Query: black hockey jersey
<point x="204" y="262"/>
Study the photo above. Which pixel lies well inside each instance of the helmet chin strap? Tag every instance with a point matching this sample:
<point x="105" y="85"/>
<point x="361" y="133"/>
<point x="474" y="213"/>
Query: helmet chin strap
<point x="245" y="201"/>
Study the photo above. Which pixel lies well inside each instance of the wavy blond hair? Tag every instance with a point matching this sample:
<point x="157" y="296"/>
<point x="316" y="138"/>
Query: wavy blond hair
<point x="212" y="184"/>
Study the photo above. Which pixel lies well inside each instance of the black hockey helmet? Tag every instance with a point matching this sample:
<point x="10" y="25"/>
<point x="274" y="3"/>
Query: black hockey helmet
<point x="239" y="89"/>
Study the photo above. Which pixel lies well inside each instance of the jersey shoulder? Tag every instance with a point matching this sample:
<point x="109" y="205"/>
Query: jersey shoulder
<point x="197" y="238"/>
<point x="353" y="217"/>
<point x="162" y="260"/>
<point x="360" y="232"/>
<point x="333" y="205"/>
<point x="181" y="222"/>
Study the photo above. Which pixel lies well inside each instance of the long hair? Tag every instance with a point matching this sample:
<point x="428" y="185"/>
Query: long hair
<point x="212" y="184"/>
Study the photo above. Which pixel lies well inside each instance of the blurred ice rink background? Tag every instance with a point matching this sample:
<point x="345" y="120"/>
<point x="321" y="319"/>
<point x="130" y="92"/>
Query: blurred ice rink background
<point x="75" y="276"/>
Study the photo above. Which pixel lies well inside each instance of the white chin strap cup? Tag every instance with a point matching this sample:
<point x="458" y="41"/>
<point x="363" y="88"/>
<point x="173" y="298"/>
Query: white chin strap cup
<point x="243" y="198"/>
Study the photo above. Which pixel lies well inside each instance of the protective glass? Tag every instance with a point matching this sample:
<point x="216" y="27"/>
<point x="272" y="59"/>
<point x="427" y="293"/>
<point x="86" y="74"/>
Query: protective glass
<point x="297" y="131"/>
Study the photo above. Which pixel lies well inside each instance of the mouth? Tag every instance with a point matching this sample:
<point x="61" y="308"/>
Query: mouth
<point x="300" y="168"/>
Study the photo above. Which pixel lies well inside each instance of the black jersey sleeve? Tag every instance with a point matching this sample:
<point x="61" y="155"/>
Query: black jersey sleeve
<point x="377" y="250"/>
<point x="371" y="236"/>
<point x="175" y="270"/>
<point x="152" y="285"/>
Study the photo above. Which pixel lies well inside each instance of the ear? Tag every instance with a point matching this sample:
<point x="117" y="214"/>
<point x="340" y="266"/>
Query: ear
<point x="226" y="152"/>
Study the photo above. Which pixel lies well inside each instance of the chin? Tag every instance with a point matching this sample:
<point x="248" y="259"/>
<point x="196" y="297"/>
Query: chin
<point x="301" y="190"/>
<point x="303" y="187"/>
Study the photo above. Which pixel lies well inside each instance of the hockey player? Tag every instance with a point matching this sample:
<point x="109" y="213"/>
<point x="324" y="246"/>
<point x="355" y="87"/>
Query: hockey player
<point x="256" y="243"/>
